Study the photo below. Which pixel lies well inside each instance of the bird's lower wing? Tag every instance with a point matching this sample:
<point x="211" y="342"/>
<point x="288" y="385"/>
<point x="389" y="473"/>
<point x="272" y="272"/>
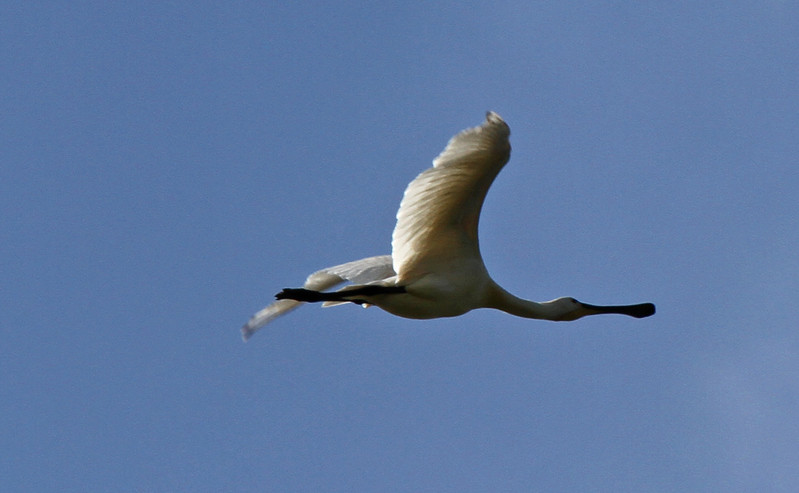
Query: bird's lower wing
<point x="359" y="271"/>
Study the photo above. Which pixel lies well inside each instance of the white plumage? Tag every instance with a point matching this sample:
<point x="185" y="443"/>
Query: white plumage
<point x="435" y="268"/>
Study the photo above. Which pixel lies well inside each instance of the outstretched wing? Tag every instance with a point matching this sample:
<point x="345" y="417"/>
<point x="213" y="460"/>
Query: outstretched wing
<point x="360" y="271"/>
<point x="439" y="213"/>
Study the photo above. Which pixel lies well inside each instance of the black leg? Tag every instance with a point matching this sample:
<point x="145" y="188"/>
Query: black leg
<point x="300" y="294"/>
<point x="310" y="296"/>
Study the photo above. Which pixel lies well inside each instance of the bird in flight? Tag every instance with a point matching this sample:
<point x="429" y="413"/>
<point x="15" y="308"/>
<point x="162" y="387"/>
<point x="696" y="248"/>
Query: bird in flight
<point x="435" y="268"/>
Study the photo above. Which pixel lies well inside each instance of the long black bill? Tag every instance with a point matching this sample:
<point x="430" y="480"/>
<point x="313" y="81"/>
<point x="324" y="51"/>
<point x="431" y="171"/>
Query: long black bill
<point x="638" y="311"/>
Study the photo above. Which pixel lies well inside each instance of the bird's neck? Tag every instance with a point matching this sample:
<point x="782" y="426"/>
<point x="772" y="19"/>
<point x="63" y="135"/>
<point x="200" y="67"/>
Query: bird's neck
<point x="500" y="299"/>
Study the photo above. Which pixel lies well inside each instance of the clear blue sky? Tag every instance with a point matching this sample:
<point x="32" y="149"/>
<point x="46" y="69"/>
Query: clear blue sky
<point x="167" y="167"/>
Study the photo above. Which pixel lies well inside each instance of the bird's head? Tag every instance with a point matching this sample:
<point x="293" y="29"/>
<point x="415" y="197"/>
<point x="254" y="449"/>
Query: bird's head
<point x="568" y="309"/>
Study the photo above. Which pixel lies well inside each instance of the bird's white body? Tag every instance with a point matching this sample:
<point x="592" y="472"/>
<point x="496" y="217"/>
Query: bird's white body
<point x="435" y="269"/>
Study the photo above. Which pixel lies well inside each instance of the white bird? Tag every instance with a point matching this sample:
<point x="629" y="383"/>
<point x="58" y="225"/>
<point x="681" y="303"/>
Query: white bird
<point x="435" y="268"/>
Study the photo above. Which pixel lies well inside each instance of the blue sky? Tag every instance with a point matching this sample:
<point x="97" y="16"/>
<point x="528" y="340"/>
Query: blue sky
<point x="167" y="167"/>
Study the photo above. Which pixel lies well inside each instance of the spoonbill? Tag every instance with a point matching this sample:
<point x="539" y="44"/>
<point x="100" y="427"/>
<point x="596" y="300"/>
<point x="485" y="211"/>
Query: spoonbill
<point x="435" y="268"/>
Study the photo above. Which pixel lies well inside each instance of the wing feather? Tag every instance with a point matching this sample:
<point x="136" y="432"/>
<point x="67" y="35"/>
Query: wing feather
<point x="439" y="213"/>
<point x="359" y="271"/>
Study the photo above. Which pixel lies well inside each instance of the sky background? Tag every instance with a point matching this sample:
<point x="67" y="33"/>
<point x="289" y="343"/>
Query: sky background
<point x="168" y="166"/>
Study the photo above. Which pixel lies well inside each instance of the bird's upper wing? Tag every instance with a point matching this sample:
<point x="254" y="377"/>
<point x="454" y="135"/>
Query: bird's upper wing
<point x="359" y="271"/>
<point x="438" y="216"/>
